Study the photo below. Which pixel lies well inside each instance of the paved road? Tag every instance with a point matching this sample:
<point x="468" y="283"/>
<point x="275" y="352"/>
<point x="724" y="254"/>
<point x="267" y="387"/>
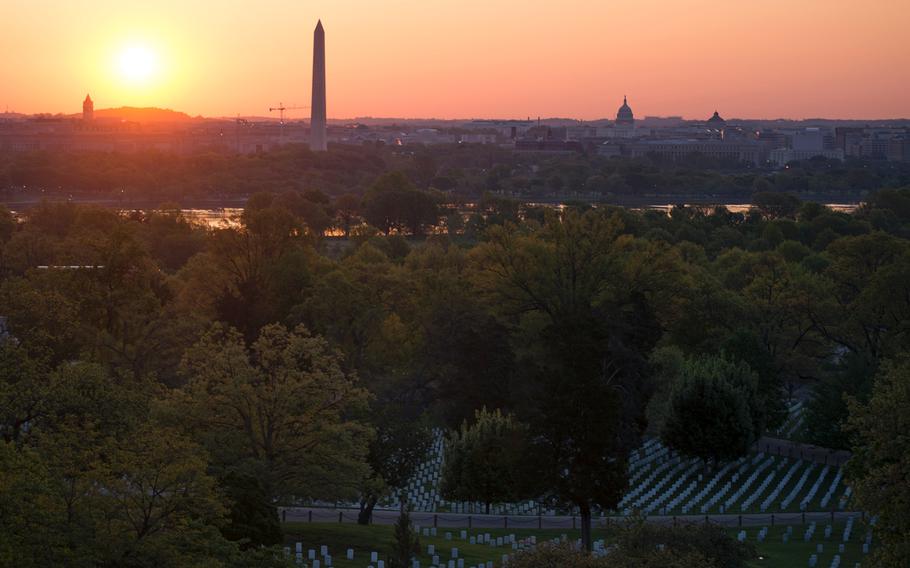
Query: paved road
<point x="457" y="520"/>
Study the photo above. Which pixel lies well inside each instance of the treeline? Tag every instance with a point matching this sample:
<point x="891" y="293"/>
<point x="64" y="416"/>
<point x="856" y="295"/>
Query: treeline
<point x="160" y="400"/>
<point x="464" y="171"/>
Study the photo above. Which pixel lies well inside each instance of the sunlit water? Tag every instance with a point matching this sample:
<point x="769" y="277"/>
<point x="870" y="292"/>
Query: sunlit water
<point x="229" y="217"/>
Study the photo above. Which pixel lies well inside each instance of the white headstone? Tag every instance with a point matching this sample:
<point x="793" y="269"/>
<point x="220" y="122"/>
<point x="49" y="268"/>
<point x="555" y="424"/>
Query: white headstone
<point x="350" y="554"/>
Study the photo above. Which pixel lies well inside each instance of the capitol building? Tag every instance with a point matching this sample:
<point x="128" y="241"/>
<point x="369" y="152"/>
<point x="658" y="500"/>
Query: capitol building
<point x="623" y="126"/>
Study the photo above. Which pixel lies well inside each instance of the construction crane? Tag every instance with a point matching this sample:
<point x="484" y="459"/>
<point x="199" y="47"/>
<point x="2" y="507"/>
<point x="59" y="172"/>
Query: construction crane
<point x="281" y="108"/>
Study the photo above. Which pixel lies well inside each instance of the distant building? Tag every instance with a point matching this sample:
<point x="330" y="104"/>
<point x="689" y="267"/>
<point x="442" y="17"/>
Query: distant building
<point x="808" y="140"/>
<point x="746" y="151"/>
<point x="716" y="122"/>
<point x="625" y="121"/>
<point x="609" y="150"/>
<point x="511" y="129"/>
<point x="478" y="138"/>
<point x="88" y="109"/>
<point x="780" y="157"/>
<point x="899" y="149"/>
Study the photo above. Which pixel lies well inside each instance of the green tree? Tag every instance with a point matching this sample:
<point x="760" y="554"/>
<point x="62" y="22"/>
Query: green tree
<point x="773" y="205"/>
<point x="486" y="460"/>
<point x="393" y="203"/>
<point x="710" y="414"/>
<point x="253" y="519"/>
<point x="401" y="443"/>
<point x="583" y="299"/>
<point x="406" y="543"/>
<point x="880" y="466"/>
<point x="281" y="410"/>
<point x="827" y="409"/>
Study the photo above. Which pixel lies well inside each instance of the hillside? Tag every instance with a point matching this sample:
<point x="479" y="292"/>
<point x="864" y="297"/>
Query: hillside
<point x="147" y="114"/>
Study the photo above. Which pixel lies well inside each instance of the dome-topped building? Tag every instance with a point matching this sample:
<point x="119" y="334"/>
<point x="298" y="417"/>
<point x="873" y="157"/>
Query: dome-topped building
<point x="624" y="115"/>
<point x="716" y="121"/>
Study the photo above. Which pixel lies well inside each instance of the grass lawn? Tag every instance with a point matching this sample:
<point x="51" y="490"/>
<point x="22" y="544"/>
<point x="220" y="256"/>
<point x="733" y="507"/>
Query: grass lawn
<point x="378" y="538"/>
<point x="773" y="553"/>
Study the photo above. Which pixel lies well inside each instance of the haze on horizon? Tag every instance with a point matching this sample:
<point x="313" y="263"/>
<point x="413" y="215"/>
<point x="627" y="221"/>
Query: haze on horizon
<point x="464" y="59"/>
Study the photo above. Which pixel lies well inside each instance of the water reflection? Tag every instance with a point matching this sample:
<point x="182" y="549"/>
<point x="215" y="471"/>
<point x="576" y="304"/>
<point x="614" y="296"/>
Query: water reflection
<point x="219" y="218"/>
<point x="229" y="217"/>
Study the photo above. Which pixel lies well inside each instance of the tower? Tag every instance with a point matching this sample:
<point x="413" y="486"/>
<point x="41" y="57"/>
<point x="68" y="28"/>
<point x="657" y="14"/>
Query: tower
<point x="88" y="109"/>
<point x="317" y="108"/>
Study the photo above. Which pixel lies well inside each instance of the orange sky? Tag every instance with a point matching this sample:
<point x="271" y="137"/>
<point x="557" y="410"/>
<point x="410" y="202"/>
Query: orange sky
<point x="467" y="58"/>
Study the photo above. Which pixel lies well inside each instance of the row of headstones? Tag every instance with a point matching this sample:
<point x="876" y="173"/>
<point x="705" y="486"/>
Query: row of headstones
<point x="311" y="560"/>
<point x="832" y="488"/>
<point x="762" y="534"/>
<point x="325" y="557"/>
<point x="640" y="468"/>
<point x="741" y="489"/>
<point x="660" y="495"/>
<point x="646" y="491"/>
<point x="745" y="467"/>
<point x="742" y="465"/>
<point x="781" y="485"/>
<point x="835" y="562"/>
<point x="640" y="487"/>
<point x="652" y="450"/>
<point x="484" y="538"/>
<point x="797" y="488"/>
<point x="427" y="476"/>
<point x="522" y="508"/>
<point x="746" y="503"/>
<point x="794" y="421"/>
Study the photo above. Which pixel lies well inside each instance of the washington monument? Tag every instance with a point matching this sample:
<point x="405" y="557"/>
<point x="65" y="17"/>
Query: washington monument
<point x="317" y="108"/>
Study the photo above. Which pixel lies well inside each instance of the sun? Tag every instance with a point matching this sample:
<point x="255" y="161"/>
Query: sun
<point x="137" y="64"/>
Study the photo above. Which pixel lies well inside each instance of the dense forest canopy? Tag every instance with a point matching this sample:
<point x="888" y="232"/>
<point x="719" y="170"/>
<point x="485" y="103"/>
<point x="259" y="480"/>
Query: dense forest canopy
<point x="145" y="355"/>
<point x="462" y="171"/>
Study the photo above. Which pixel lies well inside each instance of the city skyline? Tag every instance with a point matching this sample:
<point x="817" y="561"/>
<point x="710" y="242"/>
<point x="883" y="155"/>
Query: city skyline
<point x="457" y="61"/>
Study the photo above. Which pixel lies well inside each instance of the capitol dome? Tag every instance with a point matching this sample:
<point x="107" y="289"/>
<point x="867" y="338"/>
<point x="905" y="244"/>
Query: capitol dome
<point x="624" y="114"/>
<point x="716" y="121"/>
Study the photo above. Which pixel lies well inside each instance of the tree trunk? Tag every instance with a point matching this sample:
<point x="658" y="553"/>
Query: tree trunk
<point x="585" y="510"/>
<point x="366" y="510"/>
<point x="488" y="507"/>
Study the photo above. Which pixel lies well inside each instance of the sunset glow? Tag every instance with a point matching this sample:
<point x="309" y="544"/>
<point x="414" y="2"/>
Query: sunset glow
<point x="137" y="64"/>
<point x="466" y="58"/>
